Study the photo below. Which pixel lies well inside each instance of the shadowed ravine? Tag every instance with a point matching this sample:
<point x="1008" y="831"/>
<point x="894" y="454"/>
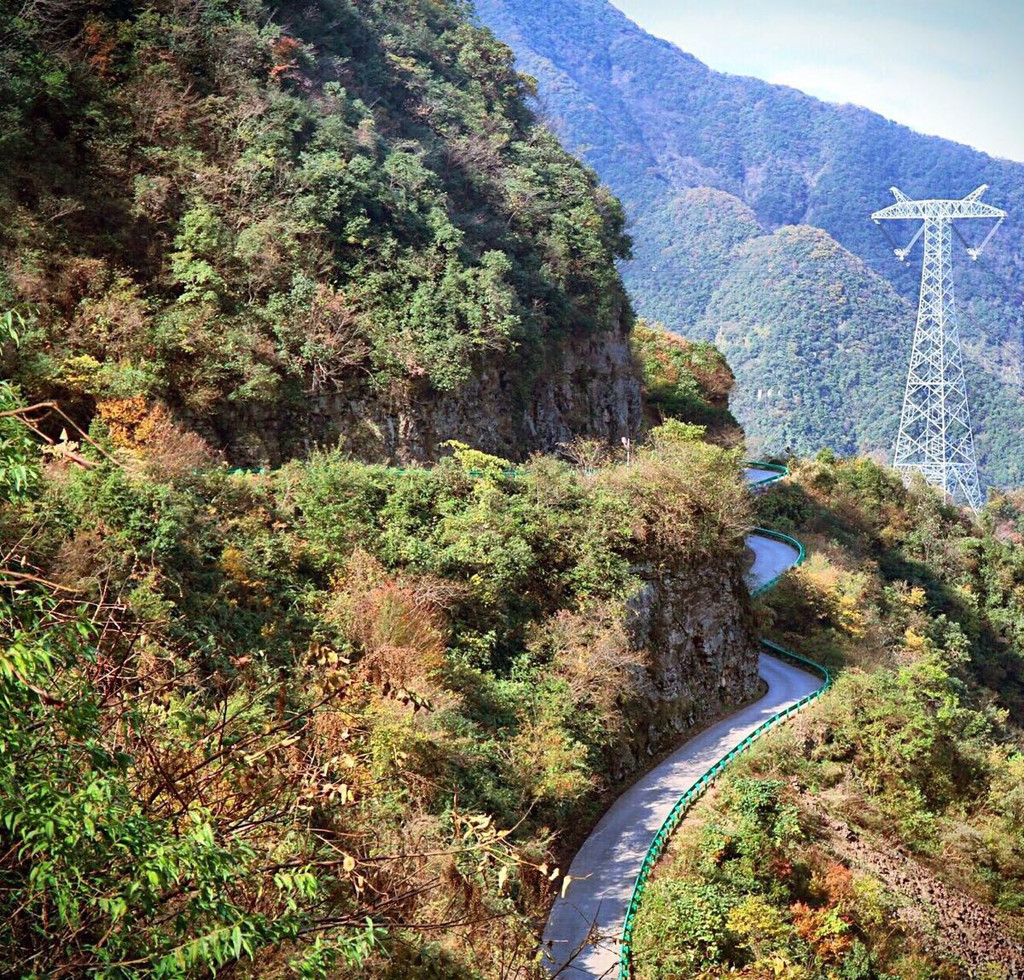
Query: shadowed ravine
<point x="605" y="867"/>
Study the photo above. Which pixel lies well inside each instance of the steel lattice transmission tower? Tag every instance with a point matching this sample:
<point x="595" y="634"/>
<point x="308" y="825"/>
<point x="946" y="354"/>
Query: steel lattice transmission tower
<point x="935" y="427"/>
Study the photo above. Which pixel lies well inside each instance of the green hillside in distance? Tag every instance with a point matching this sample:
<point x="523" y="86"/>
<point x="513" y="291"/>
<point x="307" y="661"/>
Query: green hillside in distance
<point x="807" y="322"/>
<point x="703" y="161"/>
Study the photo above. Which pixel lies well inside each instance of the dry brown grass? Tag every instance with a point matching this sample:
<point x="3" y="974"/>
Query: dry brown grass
<point x="688" y="500"/>
<point x="398" y="624"/>
<point x="591" y="651"/>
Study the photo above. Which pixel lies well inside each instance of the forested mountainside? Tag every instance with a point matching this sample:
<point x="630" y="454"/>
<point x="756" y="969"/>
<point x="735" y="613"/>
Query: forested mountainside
<point x="291" y="222"/>
<point x="331" y="718"/>
<point x="338" y="717"/>
<point x="705" y="162"/>
<point x="879" y="835"/>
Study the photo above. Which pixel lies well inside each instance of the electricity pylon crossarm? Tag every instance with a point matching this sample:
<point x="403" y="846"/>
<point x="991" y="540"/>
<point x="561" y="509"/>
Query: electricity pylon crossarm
<point x="935" y="436"/>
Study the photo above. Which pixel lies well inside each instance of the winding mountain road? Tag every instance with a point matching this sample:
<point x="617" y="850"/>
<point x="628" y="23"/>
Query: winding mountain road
<point x="583" y="930"/>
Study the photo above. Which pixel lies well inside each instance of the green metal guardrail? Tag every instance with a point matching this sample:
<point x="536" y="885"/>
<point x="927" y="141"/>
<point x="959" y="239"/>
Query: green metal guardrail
<point x="660" y="842"/>
<point x="778" y="468"/>
<point x="786" y="539"/>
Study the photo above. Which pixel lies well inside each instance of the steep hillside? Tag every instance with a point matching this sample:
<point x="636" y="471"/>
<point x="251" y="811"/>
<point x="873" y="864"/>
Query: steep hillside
<point x="332" y="718"/>
<point x="805" y="322"/>
<point x="293" y="223"/>
<point x="338" y="720"/>
<point x="672" y="138"/>
<point x="878" y="835"/>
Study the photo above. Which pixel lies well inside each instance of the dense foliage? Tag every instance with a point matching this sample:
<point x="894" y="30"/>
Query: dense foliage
<point x="237" y="202"/>
<point x="806" y="323"/>
<point x="333" y="717"/>
<point x="705" y="162"/>
<point x="689" y="382"/>
<point x="337" y="719"/>
<point x="871" y="534"/>
<point x="873" y="836"/>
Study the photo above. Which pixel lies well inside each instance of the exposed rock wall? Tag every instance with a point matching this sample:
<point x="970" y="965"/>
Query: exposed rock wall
<point x="587" y="386"/>
<point x="700" y="635"/>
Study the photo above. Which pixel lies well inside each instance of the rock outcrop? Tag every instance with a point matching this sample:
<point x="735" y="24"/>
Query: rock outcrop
<point x="700" y="636"/>
<point x="959" y="926"/>
<point x="588" y="385"/>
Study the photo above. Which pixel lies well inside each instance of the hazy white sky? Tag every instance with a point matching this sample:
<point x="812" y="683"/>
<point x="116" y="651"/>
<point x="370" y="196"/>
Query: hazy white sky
<point x="948" y="68"/>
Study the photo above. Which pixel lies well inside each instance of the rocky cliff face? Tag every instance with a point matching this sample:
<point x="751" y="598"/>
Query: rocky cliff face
<point x="698" y="629"/>
<point x="588" y="386"/>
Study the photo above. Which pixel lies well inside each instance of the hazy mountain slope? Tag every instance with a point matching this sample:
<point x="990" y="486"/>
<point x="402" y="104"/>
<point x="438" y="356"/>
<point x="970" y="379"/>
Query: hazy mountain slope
<point x="655" y="123"/>
<point x="690" y="241"/>
<point x="804" y="322"/>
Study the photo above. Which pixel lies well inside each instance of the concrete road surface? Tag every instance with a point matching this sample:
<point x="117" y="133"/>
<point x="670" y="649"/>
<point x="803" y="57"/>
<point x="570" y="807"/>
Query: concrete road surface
<point x="771" y="558"/>
<point x="582" y="933"/>
<point x="754" y="475"/>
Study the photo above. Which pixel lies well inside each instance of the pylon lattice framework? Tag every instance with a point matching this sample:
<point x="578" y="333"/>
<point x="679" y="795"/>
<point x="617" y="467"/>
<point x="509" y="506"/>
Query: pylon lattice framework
<point x="935" y="435"/>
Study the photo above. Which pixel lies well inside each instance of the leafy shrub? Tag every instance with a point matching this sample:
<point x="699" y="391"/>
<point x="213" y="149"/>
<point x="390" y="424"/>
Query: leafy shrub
<point x="685" y="381"/>
<point x="19" y="452"/>
<point x="98" y="875"/>
<point x="685" y="930"/>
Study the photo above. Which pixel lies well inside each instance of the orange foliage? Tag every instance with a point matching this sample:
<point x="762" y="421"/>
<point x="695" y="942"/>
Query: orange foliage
<point x="781" y="867"/>
<point x="150" y="432"/>
<point x="124" y="418"/>
<point x="286" y="52"/>
<point x="818" y="928"/>
<point x="839" y="884"/>
<point x="100" y="47"/>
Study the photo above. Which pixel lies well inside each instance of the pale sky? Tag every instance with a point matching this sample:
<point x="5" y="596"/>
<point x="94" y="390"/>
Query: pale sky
<point x="947" y="68"/>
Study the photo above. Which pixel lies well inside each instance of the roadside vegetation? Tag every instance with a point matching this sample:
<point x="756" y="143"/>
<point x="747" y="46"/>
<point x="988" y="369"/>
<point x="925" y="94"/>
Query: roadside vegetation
<point x="879" y="834"/>
<point x="334" y="717"/>
<point x="686" y="381"/>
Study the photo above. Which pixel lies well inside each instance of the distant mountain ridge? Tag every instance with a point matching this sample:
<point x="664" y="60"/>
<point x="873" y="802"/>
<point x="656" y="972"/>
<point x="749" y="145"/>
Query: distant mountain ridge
<point x="706" y="162"/>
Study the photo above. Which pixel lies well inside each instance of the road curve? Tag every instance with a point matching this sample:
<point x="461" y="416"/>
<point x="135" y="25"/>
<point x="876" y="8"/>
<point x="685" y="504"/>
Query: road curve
<point x="583" y="930"/>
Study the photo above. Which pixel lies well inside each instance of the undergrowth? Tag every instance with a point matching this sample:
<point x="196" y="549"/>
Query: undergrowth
<point x="914" y="756"/>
